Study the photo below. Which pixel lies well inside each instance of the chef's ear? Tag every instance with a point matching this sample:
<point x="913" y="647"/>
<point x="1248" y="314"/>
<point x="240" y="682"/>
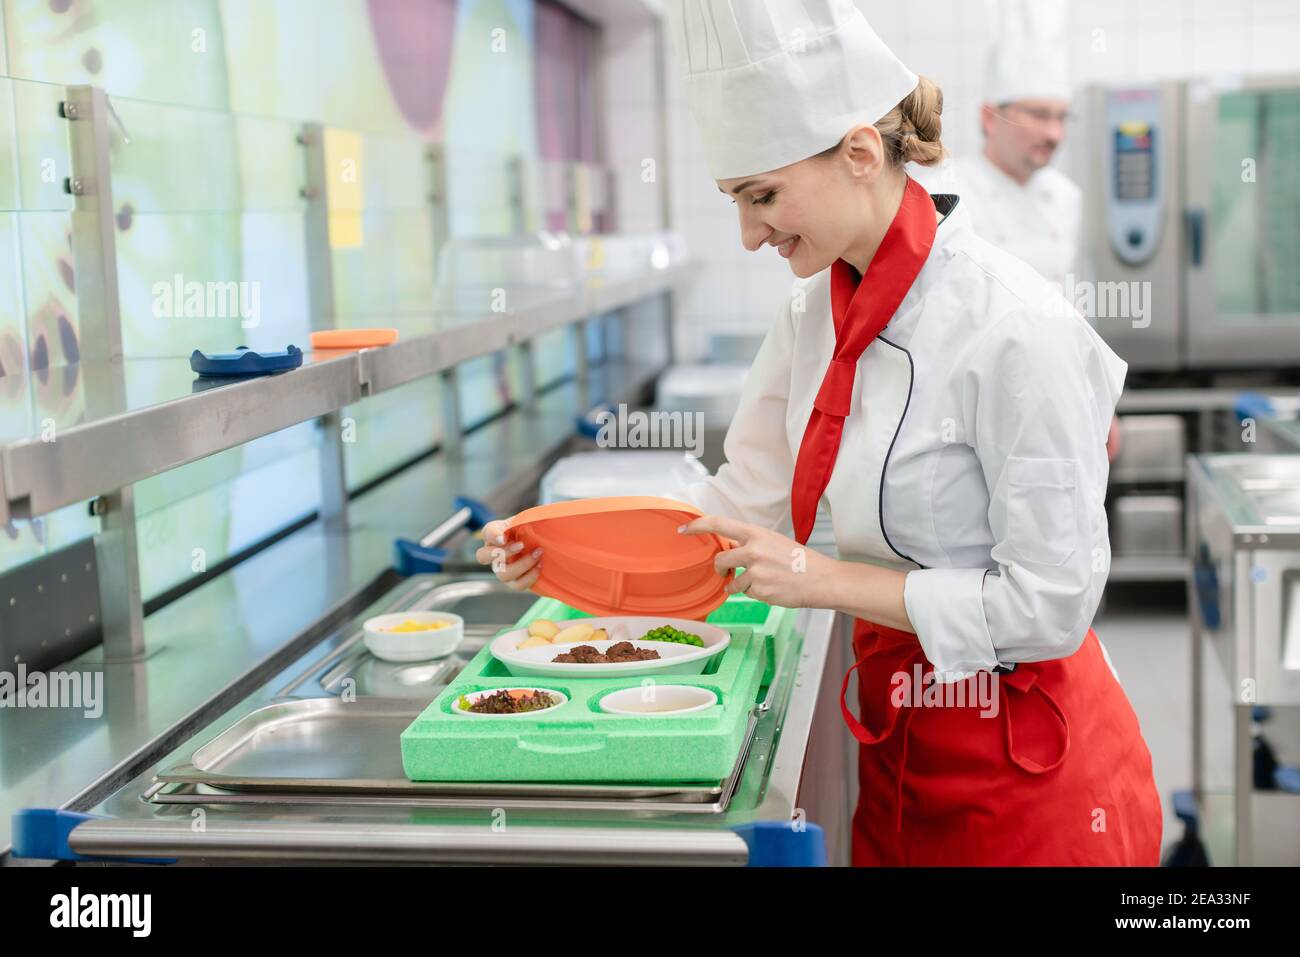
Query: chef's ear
<point x="990" y="113"/>
<point x="864" y="150"/>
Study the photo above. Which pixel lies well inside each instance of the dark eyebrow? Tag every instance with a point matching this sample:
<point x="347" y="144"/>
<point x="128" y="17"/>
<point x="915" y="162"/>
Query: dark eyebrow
<point x="745" y="185"/>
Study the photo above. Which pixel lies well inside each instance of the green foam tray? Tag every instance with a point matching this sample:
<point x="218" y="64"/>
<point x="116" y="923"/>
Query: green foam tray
<point x="579" y="743"/>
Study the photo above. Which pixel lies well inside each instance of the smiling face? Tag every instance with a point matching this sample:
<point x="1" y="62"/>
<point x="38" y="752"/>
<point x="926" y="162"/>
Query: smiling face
<point x="820" y="209"/>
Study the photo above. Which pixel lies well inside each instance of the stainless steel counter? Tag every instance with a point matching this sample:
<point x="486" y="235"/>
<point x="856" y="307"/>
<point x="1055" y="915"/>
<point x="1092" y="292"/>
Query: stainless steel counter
<point x="257" y="619"/>
<point x="1244" y="527"/>
<point x="506" y="828"/>
<point x="243" y="638"/>
<point x="1282" y="434"/>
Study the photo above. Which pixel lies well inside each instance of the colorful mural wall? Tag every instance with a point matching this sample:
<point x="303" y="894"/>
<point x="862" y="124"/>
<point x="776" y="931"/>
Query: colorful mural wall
<point x="209" y="97"/>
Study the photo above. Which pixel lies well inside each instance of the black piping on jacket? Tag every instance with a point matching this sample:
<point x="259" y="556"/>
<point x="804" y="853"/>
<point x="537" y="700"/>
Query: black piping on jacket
<point x="884" y="466"/>
<point x="945" y="203"/>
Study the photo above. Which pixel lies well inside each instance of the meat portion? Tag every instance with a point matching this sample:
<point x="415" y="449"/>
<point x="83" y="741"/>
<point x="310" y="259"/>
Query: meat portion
<point x="510" y="702"/>
<point x="617" y="652"/>
<point x="626" y="651"/>
<point x="580" y="655"/>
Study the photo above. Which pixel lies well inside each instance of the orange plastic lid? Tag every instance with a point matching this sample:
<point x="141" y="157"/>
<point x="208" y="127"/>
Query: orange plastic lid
<point x="352" y="338"/>
<point x="623" y="555"/>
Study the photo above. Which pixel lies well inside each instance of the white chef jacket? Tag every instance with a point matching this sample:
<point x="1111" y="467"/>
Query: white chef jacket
<point x="973" y="456"/>
<point x="1039" y="222"/>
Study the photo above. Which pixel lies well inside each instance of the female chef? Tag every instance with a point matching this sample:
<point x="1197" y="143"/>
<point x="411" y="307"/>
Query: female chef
<point x="950" y="411"/>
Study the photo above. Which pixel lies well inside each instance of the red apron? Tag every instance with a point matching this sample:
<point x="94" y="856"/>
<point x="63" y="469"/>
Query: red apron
<point x="1056" y="774"/>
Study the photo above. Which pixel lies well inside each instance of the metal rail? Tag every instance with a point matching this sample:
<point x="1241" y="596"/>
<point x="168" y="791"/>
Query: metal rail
<point x="408" y="843"/>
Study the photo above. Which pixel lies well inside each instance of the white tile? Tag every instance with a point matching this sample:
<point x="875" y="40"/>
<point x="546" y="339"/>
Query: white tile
<point x="936" y="16"/>
<point x="1088" y="45"/>
<point x="1118" y="54"/>
<point x="631" y="121"/>
<point x="1156" y="12"/>
<point x="707" y="294"/>
<point x="1219" y="46"/>
<point x="1273" y="45"/>
<point x="696" y="207"/>
<point x="1108" y="11"/>
<point x="974" y="23"/>
<point x="1220" y="9"/>
<point x="886" y="18"/>
<point x="719" y="236"/>
<point x="1274" y="9"/>
<point x="941" y="63"/>
<point x="1166" y="50"/>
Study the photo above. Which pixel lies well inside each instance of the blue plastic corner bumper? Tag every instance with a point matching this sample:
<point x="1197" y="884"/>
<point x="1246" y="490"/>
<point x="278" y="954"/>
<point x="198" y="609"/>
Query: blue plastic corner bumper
<point x="412" y="558"/>
<point x="591" y="424"/>
<point x="479" y="513"/>
<point x="1253" y="405"/>
<point x="1186" y="810"/>
<point x="784" y="844"/>
<point x="42" y="834"/>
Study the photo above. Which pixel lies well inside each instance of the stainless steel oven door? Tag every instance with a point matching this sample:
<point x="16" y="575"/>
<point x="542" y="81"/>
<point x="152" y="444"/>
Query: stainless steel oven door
<point x="1243" y="222"/>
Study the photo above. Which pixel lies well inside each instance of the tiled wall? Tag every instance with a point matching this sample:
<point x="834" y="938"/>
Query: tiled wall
<point x="213" y="94"/>
<point x="631" y="115"/>
<point x="1111" y="40"/>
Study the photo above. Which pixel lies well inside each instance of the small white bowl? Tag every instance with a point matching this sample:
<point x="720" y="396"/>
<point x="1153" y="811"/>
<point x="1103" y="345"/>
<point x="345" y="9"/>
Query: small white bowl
<point x="413" y="645"/>
<point x="475" y="695"/>
<point x="658" y="700"/>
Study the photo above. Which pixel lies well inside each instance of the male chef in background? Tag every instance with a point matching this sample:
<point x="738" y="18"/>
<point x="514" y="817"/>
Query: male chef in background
<point x="1016" y="200"/>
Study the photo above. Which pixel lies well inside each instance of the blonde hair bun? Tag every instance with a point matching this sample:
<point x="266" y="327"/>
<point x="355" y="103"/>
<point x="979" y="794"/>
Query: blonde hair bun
<point x="913" y="130"/>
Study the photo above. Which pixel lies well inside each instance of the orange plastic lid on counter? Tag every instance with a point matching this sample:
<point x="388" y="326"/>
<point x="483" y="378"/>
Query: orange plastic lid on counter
<point x="352" y="338"/>
<point x="623" y="556"/>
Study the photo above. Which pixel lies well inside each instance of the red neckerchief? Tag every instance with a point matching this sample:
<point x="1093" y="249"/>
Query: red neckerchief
<point x="860" y="311"/>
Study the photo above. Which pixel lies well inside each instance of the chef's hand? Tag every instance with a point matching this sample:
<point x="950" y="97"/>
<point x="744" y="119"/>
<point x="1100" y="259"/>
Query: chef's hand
<point x="516" y="570"/>
<point x="1113" y="439"/>
<point x="778" y="570"/>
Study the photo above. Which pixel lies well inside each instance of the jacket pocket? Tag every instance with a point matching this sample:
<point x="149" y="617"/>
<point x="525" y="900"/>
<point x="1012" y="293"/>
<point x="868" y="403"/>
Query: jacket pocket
<point x="1040" y="509"/>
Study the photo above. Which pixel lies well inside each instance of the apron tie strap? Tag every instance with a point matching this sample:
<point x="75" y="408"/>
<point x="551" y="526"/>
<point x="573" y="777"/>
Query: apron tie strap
<point x="866" y="737"/>
<point x="856" y="727"/>
<point x="1025" y="681"/>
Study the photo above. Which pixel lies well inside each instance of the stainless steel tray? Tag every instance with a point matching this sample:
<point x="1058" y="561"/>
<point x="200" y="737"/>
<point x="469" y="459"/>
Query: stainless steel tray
<point x="202" y="794"/>
<point x="307" y="748"/>
<point x="315" y="745"/>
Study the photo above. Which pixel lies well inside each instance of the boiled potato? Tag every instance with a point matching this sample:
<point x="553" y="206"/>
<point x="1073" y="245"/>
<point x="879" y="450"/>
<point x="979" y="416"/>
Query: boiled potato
<point x="544" y="629"/>
<point x="574" y="633"/>
<point x="532" y="641"/>
<point x="598" y="635"/>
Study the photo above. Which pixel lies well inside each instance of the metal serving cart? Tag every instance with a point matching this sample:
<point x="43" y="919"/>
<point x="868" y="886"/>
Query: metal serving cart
<point x="1244" y="526"/>
<point x="307" y="768"/>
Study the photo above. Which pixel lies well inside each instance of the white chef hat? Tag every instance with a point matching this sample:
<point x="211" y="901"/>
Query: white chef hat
<point x="772" y="82"/>
<point x="1029" y="59"/>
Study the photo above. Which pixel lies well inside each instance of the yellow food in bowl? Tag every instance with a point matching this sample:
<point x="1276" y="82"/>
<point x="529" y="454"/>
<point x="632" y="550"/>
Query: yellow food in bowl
<point x="412" y="625"/>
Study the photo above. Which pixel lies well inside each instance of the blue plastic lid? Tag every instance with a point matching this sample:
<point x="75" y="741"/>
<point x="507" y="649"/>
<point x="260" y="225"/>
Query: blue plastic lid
<point x="245" y="362"/>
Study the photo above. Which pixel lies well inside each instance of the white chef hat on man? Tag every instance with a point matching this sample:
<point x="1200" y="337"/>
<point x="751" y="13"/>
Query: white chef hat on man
<point x="773" y="82"/>
<point x="1029" y="59"/>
